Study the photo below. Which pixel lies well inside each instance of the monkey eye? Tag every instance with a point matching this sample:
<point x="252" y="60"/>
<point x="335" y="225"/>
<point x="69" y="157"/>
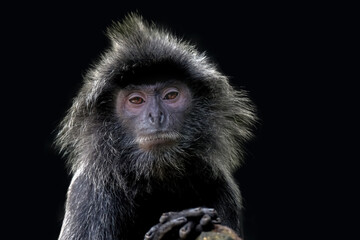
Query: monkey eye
<point x="171" y="95"/>
<point x="136" y="100"/>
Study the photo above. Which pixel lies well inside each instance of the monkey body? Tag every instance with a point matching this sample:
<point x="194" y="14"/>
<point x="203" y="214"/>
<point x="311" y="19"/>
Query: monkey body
<point x="96" y="211"/>
<point x="155" y="129"/>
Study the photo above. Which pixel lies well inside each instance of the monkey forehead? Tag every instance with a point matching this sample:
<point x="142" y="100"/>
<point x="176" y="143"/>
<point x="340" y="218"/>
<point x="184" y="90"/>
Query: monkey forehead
<point x="156" y="86"/>
<point x="150" y="73"/>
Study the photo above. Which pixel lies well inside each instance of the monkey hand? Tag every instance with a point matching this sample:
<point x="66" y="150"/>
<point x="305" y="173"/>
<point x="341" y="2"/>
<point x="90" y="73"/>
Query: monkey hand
<point x="187" y="224"/>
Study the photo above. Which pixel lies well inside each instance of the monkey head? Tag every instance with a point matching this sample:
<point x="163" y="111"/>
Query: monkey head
<point x="154" y="105"/>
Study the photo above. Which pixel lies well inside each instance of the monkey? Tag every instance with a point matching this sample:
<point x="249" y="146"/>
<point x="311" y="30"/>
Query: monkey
<point x="155" y="131"/>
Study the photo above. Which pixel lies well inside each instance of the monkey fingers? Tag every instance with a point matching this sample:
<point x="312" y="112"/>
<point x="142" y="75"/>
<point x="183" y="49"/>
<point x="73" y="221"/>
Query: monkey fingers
<point x="192" y="213"/>
<point x="158" y="231"/>
<point x="166" y="216"/>
<point x="199" y="212"/>
<point x="190" y="230"/>
<point x="207" y="223"/>
<point x="185" y="231"/>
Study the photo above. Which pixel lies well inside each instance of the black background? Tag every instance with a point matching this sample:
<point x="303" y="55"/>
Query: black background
<point x="289" y="57"/>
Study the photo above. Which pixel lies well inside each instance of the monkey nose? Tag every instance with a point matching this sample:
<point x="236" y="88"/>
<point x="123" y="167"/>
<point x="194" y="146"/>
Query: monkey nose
<point x="156" y="118"/>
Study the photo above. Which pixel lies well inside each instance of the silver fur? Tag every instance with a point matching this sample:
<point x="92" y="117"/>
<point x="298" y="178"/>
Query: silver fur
<point x="98" y="146"/>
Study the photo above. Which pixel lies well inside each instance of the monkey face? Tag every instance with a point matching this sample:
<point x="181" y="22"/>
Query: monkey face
<point x="154" y="113"/>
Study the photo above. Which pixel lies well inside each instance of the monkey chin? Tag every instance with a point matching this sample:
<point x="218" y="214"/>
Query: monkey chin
<point x="156" y="141"/>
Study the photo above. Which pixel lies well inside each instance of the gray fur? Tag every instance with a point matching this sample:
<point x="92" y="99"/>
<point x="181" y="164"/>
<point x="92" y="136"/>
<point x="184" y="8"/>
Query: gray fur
<point x="110" y="171"/>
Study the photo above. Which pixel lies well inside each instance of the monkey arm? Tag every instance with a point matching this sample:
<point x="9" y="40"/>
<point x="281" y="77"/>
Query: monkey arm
<point x="91" y="212"/>
<point x="228" y="205"/>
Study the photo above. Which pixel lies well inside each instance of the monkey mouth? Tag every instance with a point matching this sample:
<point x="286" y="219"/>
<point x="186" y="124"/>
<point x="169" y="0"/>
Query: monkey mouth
<point x="160" y="139"/>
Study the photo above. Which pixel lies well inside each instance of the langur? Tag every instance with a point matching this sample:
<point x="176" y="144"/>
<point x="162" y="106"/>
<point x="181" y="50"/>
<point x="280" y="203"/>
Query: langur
<point x="156" y="131"/>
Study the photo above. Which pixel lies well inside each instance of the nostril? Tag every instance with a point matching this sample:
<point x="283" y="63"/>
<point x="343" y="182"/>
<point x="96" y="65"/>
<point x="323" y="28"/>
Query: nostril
<point x="161" y="117"/>
<point x="151" y="118"/>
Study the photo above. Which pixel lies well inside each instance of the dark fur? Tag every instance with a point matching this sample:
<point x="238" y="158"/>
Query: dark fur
<point x="119" y="191"/>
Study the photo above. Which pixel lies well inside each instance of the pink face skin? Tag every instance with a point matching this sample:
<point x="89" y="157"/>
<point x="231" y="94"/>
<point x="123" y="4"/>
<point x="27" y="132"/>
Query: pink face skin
<point x="154" y="113"/>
